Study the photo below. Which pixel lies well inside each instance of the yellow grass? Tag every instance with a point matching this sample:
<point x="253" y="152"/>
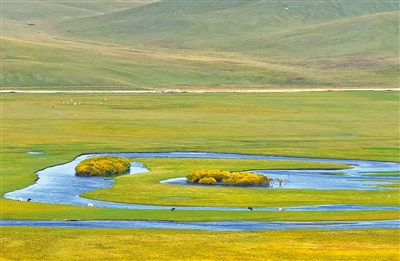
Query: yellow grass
<point x="20" y="243"/>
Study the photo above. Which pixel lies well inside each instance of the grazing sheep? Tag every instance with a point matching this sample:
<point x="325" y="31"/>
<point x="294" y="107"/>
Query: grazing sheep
<point x="90" y="205"/>
<point x="281" y="209"/>
<point x="250" y="208"/>
<point x="20" y="199"/>
<point x="172" y="209"/>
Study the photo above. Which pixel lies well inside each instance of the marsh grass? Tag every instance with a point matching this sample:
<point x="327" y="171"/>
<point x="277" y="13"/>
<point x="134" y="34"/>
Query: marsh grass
<point x="39" y="211"/>
<point x="384" y="174"/>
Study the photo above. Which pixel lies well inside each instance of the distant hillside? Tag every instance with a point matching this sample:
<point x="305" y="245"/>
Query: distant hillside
<point x="184" y="44"/>
<point x="246" y="26"/>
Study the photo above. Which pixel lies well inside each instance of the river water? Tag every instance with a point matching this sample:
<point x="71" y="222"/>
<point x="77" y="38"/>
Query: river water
<point x="59" y="185"/>
<point x="215" y="226"/>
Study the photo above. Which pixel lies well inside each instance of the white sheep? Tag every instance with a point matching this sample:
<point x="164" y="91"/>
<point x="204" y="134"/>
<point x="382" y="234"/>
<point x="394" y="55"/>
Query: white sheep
<point x="90" y="205"/>
<point x="20" y="199"/>
<point x="281" y="209"/>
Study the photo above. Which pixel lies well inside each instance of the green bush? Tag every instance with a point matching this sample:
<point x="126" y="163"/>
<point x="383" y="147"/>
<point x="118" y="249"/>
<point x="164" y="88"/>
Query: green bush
<point x="226" y="178"/>
<point x="103" y="166"/>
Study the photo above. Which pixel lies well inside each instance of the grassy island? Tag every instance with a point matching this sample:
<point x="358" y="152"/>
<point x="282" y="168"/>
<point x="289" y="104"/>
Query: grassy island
<point x="102" y="166"/>
<point x="225" y="177"/>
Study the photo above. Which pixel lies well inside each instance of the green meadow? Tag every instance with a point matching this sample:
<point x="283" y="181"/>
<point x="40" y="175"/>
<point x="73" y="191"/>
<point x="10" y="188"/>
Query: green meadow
<point x="353" y="125"/>
<point x="356" y="125"/>
<point x="62" y="126"/>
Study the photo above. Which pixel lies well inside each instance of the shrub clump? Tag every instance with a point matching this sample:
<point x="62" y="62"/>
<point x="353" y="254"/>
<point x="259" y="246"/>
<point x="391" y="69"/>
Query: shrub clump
<point x="227" y="178"/>
<point x="102" y="166"/>
<point x="207" y="181"/>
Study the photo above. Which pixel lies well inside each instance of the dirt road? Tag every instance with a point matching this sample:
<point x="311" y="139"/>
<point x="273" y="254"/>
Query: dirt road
<point x="129" y="89"/>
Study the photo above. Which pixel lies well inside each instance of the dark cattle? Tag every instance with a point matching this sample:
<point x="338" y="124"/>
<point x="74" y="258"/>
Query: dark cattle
<point x="172" y="209"/>
<point x="29" y="199"/>
<point x="250" y="208"/>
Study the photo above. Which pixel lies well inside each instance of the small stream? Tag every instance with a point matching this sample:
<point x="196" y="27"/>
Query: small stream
<point x="215" y="226"/>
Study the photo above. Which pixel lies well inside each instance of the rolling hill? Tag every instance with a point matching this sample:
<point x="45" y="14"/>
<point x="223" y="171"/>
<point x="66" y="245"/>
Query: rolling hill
<point x="200" y="44"/>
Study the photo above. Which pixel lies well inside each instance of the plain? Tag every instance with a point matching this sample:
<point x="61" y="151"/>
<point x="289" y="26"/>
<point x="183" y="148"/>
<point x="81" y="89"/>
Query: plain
<point x="58" y="127"/>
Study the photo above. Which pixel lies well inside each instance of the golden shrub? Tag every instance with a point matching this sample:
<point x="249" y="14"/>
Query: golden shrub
<point x="227" y="178"/>
<point x="207" y="181"/>
<point x="103" y="166"/>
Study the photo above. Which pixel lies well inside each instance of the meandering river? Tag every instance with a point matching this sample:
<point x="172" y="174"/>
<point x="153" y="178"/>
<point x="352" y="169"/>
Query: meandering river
<point x="59" y="185"/>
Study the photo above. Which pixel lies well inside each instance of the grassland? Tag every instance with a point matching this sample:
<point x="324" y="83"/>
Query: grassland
<point x="203" y="45"/>
<point x="297" y="124"/>
<point x="360" y="125"/>
<point x="150" y="244"/>
<point x="206" y="44"/>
